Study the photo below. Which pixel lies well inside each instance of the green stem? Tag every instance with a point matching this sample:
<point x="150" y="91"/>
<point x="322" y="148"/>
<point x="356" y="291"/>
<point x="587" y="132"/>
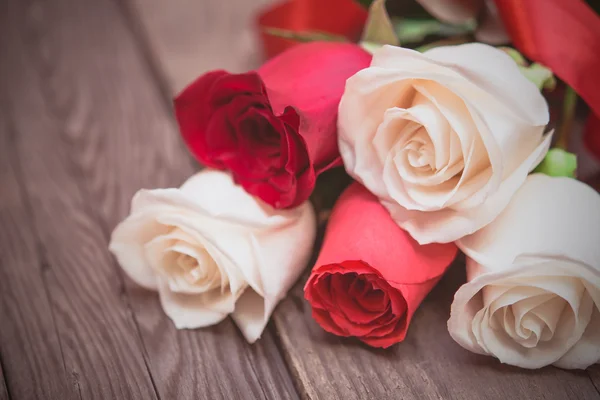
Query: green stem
<point x="568" y="115"/>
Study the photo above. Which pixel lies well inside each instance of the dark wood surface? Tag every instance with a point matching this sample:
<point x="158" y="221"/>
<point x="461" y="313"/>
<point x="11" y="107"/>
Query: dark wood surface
<point x="3" y="392"/>
<point x="85" y="121"/>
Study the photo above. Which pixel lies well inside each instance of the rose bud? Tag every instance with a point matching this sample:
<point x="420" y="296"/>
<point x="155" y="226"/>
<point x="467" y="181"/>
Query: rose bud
<point x="533" y="293"/>
<point x="371" y="276"/>
<point x="443" y="138"/>
<point x="273" y="128"/>
<point x="211" y="250"/>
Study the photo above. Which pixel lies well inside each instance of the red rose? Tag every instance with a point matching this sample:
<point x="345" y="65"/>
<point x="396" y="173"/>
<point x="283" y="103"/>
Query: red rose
<point x="275" y="128"/>
<point x="371" y="276"/>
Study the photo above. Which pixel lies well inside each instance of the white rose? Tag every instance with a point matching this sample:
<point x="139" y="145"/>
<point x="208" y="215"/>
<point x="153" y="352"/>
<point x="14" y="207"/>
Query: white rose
<point x="533" y="292"/>
<point x="210" y="249"/>
<point x="443" y="138"/>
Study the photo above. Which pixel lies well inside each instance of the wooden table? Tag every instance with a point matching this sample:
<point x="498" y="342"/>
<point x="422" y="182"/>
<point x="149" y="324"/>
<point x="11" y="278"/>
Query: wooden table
<point x="85" y="121"/>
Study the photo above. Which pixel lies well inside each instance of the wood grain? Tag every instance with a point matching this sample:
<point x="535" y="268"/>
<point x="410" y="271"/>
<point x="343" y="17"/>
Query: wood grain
<point x="30" y="349"/>
<point x="594" y="373"/>
<point x="29" y="344"/>
<point x="3" y="390"/>
<point x="97" y="336"/>
<point x="115" y="136"/>
<point x="189" y="37"/>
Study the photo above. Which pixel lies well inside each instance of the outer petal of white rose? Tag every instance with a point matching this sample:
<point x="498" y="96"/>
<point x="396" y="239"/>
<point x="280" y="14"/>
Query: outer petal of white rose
<point x="587" y="350"/>
<point x="216" y="193"/>
<point x="280" y="257"/>
<point x="548" y="216"/>
<point x="480" y="65"/>
<point x="466" y="304"/>
<point x="496" y="73"/>
<point x="128" y="240"/>
<point x="448" y="225"/>
<point x="155" y="211"/>
<point x="196" y="310"/>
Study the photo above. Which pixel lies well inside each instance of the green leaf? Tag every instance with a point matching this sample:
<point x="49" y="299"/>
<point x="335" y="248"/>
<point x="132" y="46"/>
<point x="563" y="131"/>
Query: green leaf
<point x="558" y="162"/>
<point x="379" y="28"/>
<point x="411" y="30"/>
<point x="540" y="75"/>
<point x="305" y="36"/>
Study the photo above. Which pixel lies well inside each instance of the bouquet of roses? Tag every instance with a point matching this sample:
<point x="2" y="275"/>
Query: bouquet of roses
<point x="450" y="146"/>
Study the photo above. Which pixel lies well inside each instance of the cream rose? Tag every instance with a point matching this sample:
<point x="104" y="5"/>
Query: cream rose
<point x="444" y="138"/>
<point x="211" y="250"/>
<point x="533" y="292"/>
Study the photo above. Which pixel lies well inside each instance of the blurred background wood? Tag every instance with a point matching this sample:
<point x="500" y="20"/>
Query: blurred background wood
<point x="187" y="37"/>
<point x="85" y="121"/>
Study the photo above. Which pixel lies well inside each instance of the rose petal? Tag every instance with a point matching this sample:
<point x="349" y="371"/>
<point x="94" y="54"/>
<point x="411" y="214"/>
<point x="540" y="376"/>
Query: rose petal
<point x="448" y="225"/>
<point x="494" y="72"/>
<point x="280" y="257"/>
<point x="196" y="310"/>
<point x="566" y="226"/>
<point x="587" y="350"/>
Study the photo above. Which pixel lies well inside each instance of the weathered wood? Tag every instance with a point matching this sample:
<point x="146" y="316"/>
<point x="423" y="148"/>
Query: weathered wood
<point x="427" y="365"/>
<point x="110" y="132"/>
<point x="30" y="350"/>
<point x="97" y="336"/>
<point x="29" y="345"/>
<point x="192" y="36"/>
<point x="594" y="373"/>
<point x="3" y="390"/>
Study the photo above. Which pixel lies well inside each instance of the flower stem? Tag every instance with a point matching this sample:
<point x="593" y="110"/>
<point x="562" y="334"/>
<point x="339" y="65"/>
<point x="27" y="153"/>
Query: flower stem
<point x="568" y="115"/>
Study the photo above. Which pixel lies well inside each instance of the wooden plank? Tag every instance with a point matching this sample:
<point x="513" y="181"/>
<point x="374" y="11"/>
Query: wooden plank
<point x="29" y="344"/>
<point x="594" y="373"/>
<point x="98" y="339"/>
<point x="428" y="365"/>
<point x="3" y="390"/>
<point x="117" y="136"/>
<point x="30" y="351"/>
<point x="189" y="37"/>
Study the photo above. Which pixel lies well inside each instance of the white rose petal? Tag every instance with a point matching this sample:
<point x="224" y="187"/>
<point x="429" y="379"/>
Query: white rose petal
<point x="211" y="250"/>
<point x="444" y="138"/>
<point x="533" y="292"/>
